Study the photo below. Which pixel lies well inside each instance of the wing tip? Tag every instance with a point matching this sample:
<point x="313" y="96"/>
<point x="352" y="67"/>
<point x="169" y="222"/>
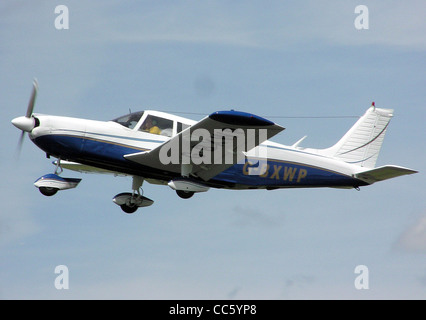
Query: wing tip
<point x="240" y="118"/>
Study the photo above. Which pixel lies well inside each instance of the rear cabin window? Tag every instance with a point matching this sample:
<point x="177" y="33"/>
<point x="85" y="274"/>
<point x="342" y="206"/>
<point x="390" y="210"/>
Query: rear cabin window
<point x="181" y="126"/>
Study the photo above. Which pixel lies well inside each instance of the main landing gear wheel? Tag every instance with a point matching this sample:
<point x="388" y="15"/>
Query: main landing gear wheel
<point x="47" y="191"/>
<point x="185" y="194"/>
<point x="129" y="208"/>
<point x="130" y="202"/>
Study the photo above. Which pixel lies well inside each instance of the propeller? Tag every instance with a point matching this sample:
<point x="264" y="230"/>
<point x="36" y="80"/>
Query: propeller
<point x="26" y="123"/>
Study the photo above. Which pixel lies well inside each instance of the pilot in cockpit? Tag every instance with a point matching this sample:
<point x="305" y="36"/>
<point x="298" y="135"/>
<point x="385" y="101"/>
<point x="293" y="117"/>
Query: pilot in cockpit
<point x="150" y="126"/>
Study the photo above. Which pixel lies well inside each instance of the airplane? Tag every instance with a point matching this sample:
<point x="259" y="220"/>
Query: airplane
<point x="226" y="149"/>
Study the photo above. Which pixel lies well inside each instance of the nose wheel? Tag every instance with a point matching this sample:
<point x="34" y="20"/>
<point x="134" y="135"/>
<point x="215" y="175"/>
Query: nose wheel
<point x="130" y="206"/>
<point x="51" y="183"/>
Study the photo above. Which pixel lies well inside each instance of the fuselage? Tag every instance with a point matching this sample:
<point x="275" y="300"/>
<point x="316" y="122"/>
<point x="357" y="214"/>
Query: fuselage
<point x="103" y="145"/>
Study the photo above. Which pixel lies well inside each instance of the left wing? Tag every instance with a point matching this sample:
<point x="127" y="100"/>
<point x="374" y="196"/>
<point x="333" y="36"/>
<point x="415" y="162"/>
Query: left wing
<point x="210" y="146"/>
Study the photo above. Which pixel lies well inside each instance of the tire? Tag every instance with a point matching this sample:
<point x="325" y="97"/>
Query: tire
<point x="128" y="209"/>
<point x="48" y="192"/>
<point x="184" y="194"/>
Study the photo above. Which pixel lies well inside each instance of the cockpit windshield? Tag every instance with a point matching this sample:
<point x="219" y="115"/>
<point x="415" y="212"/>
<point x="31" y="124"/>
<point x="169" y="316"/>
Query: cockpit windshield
<point x="129" y="120"/>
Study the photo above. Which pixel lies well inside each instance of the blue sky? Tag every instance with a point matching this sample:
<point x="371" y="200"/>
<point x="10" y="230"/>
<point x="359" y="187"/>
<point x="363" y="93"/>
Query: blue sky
<point x="301" y="58"/>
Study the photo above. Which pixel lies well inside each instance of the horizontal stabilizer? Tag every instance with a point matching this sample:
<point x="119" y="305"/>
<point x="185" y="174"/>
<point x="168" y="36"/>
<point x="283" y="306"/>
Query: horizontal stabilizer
<point x="383" y="173"/>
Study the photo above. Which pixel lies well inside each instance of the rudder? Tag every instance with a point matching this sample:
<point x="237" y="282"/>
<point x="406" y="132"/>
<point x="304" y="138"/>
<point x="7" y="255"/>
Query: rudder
<point x="361" y="144"/>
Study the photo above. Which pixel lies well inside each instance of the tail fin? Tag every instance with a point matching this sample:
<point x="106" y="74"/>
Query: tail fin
<point x="361" y="144"/>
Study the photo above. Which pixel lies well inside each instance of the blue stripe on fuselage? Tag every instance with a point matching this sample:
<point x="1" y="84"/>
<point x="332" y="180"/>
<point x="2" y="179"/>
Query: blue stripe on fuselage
<point x="68" y="146"/>
<point x="102" y="154"/>
<point x="273" y="173"/>
<point x="279" y="173"/>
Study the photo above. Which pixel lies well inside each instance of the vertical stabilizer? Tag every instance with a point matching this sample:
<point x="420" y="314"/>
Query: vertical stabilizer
<point x="361" y="144"/>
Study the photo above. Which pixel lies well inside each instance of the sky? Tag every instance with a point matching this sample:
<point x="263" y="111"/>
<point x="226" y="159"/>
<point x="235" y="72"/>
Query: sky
<point x="287" y="61"/>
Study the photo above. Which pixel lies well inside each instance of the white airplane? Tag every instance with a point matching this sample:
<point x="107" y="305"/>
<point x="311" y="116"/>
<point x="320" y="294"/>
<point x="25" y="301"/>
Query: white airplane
<point x="227" y="149"/>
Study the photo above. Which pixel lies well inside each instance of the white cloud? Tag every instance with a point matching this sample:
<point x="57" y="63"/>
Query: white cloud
<point x="413" y="239"/>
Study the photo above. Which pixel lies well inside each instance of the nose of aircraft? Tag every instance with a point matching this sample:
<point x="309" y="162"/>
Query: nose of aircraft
<point x="24" y="123"/>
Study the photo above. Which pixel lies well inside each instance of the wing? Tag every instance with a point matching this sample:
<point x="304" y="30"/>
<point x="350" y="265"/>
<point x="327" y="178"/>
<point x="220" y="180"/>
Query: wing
<point x="75" y="166"/>
<point x="210" y="146"/>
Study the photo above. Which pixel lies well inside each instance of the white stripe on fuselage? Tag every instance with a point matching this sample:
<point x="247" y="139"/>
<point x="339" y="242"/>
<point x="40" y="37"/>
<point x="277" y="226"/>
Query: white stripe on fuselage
<point x="107" y="131"/>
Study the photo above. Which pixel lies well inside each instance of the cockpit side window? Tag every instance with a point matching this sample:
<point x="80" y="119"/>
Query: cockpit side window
<point x="157" y="125"/>
<point x="129" y="120"/>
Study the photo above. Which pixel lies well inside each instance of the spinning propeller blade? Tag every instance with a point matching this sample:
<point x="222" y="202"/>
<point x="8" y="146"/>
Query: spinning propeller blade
<point x="26" y="124"/>
<point x="32" y="99"/>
